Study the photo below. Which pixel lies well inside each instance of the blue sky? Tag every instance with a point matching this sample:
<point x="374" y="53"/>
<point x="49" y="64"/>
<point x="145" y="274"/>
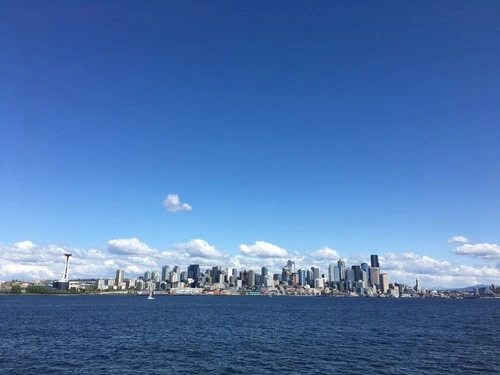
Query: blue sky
<point x="367" y="128"/>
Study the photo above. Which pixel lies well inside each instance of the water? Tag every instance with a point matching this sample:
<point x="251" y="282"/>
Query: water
<point x="236" y="335"/>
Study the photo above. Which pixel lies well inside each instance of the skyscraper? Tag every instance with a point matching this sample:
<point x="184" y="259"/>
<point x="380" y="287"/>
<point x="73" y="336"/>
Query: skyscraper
<point x="194" y="272"/>
<point x="165" y="271"/>
<point x="119" y="277"/>
<point x="264" y="271"/>
<point x="341" y="265"/>
<point x="384" y="282"/>
<point x="374" y="260"/>
<point x="302" y="277"/>
<point x="357" y="273"/>
<point x="375" y="276"/>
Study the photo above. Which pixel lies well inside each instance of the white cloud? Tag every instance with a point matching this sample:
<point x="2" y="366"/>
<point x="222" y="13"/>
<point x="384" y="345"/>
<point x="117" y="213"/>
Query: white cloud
<point x="173" y="204"/>
<point x="129" y="246"/>
<point x="25" y="245"/>
<point x="199" y="248"/>
<point x="326" y="253"/>
<point x="263" y="249"/>
<point x="456" y="239"/>
<point x="479" y="250"/>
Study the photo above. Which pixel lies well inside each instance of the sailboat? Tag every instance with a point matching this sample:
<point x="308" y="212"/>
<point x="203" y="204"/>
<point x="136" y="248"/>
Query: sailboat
<point x="151" y="294"/>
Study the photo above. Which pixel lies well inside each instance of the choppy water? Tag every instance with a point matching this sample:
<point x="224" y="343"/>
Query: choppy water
<point x="231" y="335"/>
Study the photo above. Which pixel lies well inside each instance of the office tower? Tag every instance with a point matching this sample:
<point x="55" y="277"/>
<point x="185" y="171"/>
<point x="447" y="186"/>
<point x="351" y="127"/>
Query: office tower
<point x="336" y="274"/>
<point x="258" y="279"/>
<point x="119" y="277"/>
<point x="183" y="276"/>
<point x="291" y="266"/>
<point x="365" y="267"/>
<point x="165" y="271"/>
<point x="235" y="272"/>
<point x="174" y="277"/>
<point x="374" y="260"/>
<point x="350" y="276"/>
<point x="302" y="277"/>
<point x="384" y="282"/>
<point x="364" y="277"/>
<point x="341" y="265"/>
<point x="155" y="276"/>
<point x="268" y="281"/>
<point x="375" y="276"/>
<point x="315" y="271"/>
<point x="147" y="275"/>
<point x="357" y="272"/>
<point x="310" y="278"/>
<point x="194" y="272"/>
<point x="264" y="271"/>
<point x="285" y="274"/>
<point x="318" y="283"/>
<point x="331" y="273"/>
<point x="176" y="269"/>
<point x="216" y="272"/>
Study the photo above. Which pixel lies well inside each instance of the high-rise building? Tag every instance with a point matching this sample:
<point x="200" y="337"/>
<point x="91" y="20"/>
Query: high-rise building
<point x="374" y="260"/>
<point x="119" y="277"/>
<point x="357" y="272"/>
<point x="331" y="273"/>
<point x="264" y="271"/>
<point x="365" y="267"/>
<point x="336" y="274"/>
<point x="384" y="283"/>
<point x="291" y="266"/>
<point x="375" y="276"/>
<point x="176" y="269"/>
<point x="147" y="275"/>
<point x="194" y="272"/>
<point x="302" y="277"/>
<point x="165" y="271"/>
<point x="341" y="265"/>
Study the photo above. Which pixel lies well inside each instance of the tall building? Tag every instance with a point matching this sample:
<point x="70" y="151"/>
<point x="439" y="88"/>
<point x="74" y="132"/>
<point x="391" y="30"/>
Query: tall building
<point x="119" y="277"/>
<point x="374" y="260"/>
<point x="215" y="274"/>
<point x="264" y="271"/>
<point x="375" y="276"/>
<point x="384" y="283"/>
<point x="357" y="273"/>
<point x="147" y="275"/>
<point x="341" y="265"/>
<point x="165" y="271"/>
<point x="302" y="277"/>
<point x="194" y="272"/>
<point x="365" y="267"/>
<point x="331" y="273"/>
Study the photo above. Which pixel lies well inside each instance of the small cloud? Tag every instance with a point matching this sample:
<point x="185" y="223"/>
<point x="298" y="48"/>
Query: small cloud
<point x="264" y="249"/>
<point x="199" y="248"/>
<point x="129" y="246"/>
<point x="25" y="245"/>
<point x="456" y="239"/>
<point x="326" y="253"/>
<point x="479" y="250"/>
<point x="173" y="204"/>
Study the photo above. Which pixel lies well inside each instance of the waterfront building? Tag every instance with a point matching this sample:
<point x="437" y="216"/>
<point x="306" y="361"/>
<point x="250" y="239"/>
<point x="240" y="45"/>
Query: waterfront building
<point x="310" y="278"/>
<point x="374" y="260"/>
<point x="119" y="277"/>
<point x="319" y="283"/>
<point x="336" y="274"/>
<point x="350" y="275"/>
<point x="155" y="276"/>
<point x="147" y="275"/>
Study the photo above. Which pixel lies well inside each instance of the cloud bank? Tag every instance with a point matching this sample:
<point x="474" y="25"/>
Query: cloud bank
<point x="29" y="261"/>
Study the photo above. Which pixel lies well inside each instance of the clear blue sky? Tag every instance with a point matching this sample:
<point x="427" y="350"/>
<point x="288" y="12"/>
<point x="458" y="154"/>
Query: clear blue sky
<point x="366" y="126"/>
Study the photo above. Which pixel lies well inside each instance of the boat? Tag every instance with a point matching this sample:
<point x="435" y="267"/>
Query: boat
<point x="151" y="294"/>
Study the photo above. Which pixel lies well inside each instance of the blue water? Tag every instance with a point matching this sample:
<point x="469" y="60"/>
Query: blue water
<point x="236" y="335"/>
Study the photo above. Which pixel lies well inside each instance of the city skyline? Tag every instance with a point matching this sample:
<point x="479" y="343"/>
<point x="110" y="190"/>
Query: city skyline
<point x="27" y="261"/>
<point x="136" y="135"/>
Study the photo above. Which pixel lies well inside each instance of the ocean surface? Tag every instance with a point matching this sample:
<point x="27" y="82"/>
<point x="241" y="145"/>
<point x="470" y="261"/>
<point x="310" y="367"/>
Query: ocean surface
<point x="247" y="335"/>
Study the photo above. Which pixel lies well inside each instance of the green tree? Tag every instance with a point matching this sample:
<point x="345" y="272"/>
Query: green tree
<point x="15" y="289"/>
